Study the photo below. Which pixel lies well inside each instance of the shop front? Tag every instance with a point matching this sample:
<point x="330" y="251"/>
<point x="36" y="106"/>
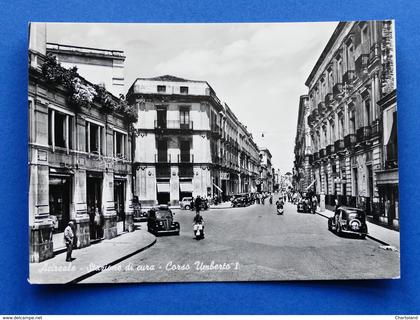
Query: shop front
<point x="59" y="193"/>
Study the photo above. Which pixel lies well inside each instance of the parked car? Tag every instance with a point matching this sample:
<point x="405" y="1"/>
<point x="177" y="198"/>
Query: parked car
<point x="240" y="200"/>
<point x="348" y="220"/>
<point x="185" y="203"/>
<point x="161" y="221"/>
<point x="304" y="205"/>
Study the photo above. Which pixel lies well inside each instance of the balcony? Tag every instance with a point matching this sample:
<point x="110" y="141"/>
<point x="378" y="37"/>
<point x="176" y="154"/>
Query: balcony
<point x="215" y="131"/>
<point x="339" y="145"/>
<point x="330" y="150"/>
<point x="364" y="133"/>
<point x="349" y="76"/>
<point x="329" y="98"/>
<point x="349" y="140"/>
<point x="375" y="128"/>
<point x="173" y="126"/>
<point x="338" y="90"/>
<point x="162" y="158"/>
<point x="321" y="108"/>
<point x="185" y="158"/>
<point x="322" y="153"/>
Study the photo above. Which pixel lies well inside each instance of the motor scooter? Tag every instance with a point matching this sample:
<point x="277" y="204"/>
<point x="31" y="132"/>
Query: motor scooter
<point x="280" y="209"/>
<point x="198" y="231"/>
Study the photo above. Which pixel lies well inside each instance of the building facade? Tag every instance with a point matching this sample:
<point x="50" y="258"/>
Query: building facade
<point x="99" y="66"/>
<point x="266" y="172"/>
<point x="302" y="170"/>
<point x="348" y="115"/>
<point x="188" y="143"/>
<point x="79" y="156"/>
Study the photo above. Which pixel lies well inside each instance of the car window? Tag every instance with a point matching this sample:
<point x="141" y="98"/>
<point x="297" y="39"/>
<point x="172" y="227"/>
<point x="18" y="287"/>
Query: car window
<point x="163" y="214"/>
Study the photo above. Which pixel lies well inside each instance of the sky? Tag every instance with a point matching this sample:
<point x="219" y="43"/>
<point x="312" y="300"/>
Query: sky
<point x="258" y="69"/>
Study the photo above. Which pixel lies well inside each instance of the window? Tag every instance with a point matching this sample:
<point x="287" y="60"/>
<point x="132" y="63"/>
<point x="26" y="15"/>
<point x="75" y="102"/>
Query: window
<point x="341" y="128"/>
<point x="94" y="138"/>
<point x="161" y="88"/>
<point x="184" y="115"/>
<point x="352" y="128"/>
<point x="339" y="71"/>
<point x="367" y="112"/>
<point x="120" y="146"/>
<point x="185" y="151"/>
<point x="183" y="90"/>
<point x="350" y="58"/>
<point x="59" y="129"/>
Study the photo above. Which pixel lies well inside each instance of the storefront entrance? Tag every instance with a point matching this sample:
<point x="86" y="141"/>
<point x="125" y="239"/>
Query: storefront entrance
<point x="59" y="200"/>
<point x="94" y="203"/>
<point x="119" y="203"/>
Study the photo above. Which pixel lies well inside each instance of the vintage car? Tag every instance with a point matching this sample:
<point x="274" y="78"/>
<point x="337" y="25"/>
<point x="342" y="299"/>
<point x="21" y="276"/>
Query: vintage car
<point x="161" y="221"/>
<point x="304" y="205"/>
<point x="348" y="220"/>
<point x="185" y="203"/>
<point x="240" y="200"/>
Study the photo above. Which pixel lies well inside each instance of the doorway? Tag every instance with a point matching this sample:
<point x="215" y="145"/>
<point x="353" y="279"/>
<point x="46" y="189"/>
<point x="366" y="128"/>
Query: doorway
<point x="94" y="202"/>
<point x="119" y="204"/>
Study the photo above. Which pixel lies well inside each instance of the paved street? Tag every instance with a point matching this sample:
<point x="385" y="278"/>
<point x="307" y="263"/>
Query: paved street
<point x="253" y="243"/>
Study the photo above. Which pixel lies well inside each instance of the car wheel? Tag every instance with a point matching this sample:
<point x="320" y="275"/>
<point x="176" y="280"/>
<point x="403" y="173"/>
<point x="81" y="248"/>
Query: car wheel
<point x="187" y="207"/>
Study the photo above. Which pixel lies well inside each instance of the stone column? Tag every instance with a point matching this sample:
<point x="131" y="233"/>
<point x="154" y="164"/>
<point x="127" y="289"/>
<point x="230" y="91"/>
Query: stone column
<point x="129" y="211"/>
<point x="174" y="186"/>
<point x="79" y="209"/>
<point x="108" y="208"/>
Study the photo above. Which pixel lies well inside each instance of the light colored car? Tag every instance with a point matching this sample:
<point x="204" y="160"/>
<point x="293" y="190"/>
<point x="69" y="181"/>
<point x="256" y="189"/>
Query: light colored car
<point x="185" y="203"/>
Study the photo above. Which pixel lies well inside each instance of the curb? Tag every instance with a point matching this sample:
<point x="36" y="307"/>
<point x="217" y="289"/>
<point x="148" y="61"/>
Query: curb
<point x="367" y="236"/>
<point x="91" y="273"/>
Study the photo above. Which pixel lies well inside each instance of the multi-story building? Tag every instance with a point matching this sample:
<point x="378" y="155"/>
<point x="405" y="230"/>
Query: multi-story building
<point x="79" y="156"/>
<point x="99" y="66"/>
<point x="303" y="153"/>
<point x="348" y="107"/>
<point x="266" y="173"/>
<point x="187" y="142"/>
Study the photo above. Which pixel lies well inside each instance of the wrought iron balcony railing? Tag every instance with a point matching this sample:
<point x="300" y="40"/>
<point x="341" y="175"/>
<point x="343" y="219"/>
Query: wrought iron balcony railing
<point x="329" y="149"/>
<point x="349" y="140"/>
<point x="173" y="125"/>
<point x="364" y="133"/>
<point x="339" y="145"/>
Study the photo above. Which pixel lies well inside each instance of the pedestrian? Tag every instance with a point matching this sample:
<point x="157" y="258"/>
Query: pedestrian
<point x="192" y="203"/>
<point x="68" y="239"/>
<point x="198" y="204"/>
<point x="336" y="205"/>
<point x="97" y="224"/>
<point x="314" y="204"/>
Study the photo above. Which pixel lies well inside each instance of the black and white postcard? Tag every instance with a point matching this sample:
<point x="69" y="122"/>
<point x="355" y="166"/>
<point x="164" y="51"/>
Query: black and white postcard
<point x="212" y="152"/>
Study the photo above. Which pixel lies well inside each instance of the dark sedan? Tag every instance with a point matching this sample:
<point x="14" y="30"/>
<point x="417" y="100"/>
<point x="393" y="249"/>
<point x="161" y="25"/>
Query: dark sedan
<point x="348" y="220"/>
<point x="161" y="221"/>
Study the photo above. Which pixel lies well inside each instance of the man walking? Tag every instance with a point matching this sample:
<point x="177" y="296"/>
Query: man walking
<point x="68" y="238"/>
<point x="198" y="204"/>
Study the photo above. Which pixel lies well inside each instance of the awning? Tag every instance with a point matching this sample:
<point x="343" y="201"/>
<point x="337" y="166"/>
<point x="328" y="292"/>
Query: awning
<point x="163" y="187"/>
<point x="387" y="177"/>
<point x="217" y="187"/>
<point x="186" y="186"/>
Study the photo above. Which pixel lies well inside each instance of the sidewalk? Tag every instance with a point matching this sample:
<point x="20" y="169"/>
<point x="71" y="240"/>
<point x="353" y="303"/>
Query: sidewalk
<point x="90" y="260"/>
<point x="383" y="235"/>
